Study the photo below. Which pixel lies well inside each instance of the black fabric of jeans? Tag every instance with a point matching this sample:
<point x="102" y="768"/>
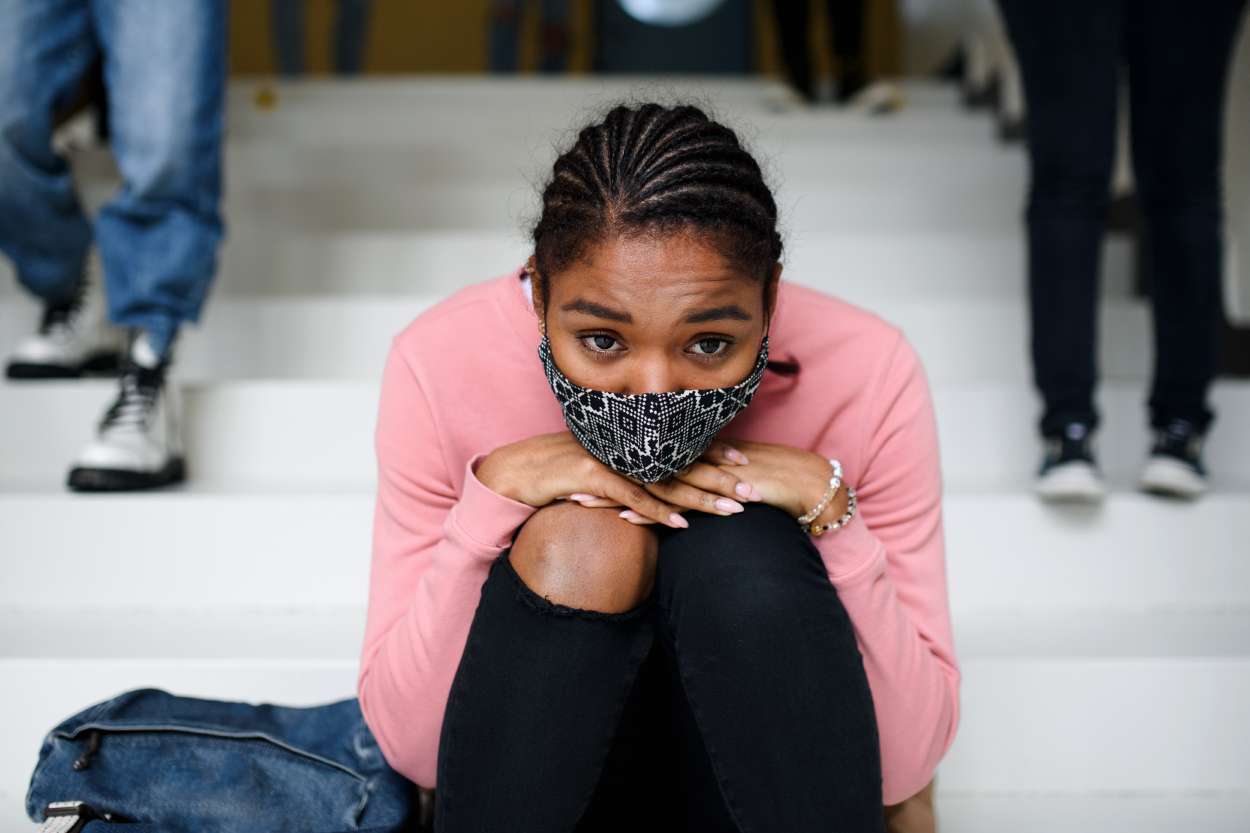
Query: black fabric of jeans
<point x="846" y="18"/>
<point x="735" y="699"/>
<point x="1177" y="54"/>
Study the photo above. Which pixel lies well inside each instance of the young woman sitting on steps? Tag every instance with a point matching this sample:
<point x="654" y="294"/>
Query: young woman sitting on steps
<point x="639" y="602"/>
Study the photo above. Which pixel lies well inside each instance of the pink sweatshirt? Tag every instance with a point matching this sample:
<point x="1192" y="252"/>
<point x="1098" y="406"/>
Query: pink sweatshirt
<point x="464" y="379"/>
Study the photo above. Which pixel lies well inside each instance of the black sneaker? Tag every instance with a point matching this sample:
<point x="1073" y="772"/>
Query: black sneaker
<point x="1068" y="472"/>
<point x="1175" y="465"/>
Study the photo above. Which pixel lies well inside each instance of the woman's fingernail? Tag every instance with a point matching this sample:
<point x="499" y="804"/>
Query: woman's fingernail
<point x="562" y="497"/>
<point x="581" y="498"/>
<point x="630" y="514"/>
<point x="727" y="505"/>
<point x="743" y="490"/>
<point x="678" y="521"/>
<point x="755" y="495"/>
<point x="732" y="454"/>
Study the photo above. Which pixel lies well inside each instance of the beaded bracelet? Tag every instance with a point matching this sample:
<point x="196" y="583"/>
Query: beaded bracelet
<point x="834" y="483"/>
<point x="842" y="521"/>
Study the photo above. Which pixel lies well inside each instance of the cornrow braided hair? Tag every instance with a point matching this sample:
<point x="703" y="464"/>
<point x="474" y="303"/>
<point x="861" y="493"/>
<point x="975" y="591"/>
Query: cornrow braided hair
<point x="660" y="170"/>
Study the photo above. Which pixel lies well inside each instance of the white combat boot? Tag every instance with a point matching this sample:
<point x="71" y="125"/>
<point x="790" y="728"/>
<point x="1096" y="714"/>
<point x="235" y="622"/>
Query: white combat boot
<point x="74" y="338"/>
<point x="137" y="445"/>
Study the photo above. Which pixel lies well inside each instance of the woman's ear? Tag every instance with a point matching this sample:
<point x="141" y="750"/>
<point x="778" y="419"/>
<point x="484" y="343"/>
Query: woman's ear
<point x="536" y="293"/>
<point x="770" y="293"/>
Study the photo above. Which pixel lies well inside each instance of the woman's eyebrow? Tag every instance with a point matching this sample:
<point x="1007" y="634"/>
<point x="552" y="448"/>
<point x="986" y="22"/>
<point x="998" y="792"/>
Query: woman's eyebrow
<point x="731" y="312"/>
<point x="597" y="310"/>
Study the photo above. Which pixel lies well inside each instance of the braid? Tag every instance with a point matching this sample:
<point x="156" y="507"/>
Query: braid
<point x="657" y="169"/>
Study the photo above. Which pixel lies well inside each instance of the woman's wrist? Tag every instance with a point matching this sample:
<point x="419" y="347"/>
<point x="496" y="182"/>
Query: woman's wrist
<point x="813" y="487"/>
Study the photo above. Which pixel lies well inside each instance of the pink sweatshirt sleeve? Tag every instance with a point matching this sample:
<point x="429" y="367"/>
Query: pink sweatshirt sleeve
<point x="888" y="566"/>
<point x="433" y="544"/>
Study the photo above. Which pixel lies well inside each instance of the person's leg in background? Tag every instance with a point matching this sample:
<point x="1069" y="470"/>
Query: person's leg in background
<point x="1069" y="53"/>
<point x="505" y="29"/>
<point x="556" y="27"/>
<point x="46" y="47"/>
<point x="1178" y="56"/>
<point x="164" y="67"/>
<point x="287" y="19"/>
<point x="792" y="27"/>
<point x="351" y="36"/>
<point x="846" y="17"/>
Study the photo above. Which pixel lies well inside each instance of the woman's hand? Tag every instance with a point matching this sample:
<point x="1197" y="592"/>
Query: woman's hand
<point x="552" y="467"/>
<point x="791" y="479"/>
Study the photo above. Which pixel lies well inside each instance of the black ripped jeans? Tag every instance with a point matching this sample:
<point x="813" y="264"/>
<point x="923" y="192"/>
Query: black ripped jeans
<point x="734" y="700"/>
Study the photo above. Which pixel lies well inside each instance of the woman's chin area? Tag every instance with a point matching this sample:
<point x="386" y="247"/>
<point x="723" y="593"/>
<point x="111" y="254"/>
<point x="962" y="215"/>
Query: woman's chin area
<point x="656" y="313"/>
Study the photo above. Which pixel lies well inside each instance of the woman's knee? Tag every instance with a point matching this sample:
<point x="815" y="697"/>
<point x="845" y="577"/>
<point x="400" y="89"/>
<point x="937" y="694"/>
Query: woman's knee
<point x="751" y="566"/>
<point x="588" y="559"/>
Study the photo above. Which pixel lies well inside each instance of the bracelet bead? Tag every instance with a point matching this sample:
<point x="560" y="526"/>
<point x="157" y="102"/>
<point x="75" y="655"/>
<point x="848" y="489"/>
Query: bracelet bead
<point x="851" y="506"/>
<point x="835" y="483"/>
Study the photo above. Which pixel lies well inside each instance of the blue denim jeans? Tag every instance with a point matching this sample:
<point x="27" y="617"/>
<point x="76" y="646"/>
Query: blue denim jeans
<point x="181" y="765"/>
<point x="165" y="72"/>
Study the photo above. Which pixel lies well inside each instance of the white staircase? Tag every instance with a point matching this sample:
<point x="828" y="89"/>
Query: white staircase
<point x="1106" y="651"/>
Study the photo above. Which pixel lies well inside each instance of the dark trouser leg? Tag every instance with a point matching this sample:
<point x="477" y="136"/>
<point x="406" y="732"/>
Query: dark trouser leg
<point x="533" y="710"/>
<point x="846" y="18"/>
<point x="792" y="25"/>
<point x="772" y="671"/>
<point x="287" y="19"/>
<point x="1178" y="55"/>
<point x="351" y="35"/>
<point x="1069" y="54"/>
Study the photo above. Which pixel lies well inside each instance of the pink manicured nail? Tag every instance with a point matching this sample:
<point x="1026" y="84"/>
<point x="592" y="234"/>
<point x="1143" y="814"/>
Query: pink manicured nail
<point x="679" y="521"/>
<point x="755" y="495"/>
<point x="580" y="498"/>
<point x="562" y="497"/>
<point x="727" y="505"/>
<point x="744" y="490"/>
<point x="630" y="514"/>
<point x="735" y="456"/>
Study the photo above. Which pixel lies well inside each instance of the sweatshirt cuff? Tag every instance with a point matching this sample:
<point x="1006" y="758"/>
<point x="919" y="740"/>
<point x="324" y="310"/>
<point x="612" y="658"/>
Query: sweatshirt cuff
<point x="850" y="552"/>
<point x="486" y="517"/>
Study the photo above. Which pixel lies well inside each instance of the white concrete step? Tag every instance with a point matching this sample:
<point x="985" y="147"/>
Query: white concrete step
<point x="1091" y="811"/>
<point x="1133" y="691"/>
<point x="217" y="549"/>
<point x="318" y="434"/>
<point x="970" y="338"/>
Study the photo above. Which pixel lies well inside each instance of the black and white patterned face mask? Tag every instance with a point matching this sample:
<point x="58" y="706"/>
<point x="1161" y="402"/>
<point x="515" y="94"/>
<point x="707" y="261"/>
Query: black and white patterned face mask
<point x="649" y="436"/>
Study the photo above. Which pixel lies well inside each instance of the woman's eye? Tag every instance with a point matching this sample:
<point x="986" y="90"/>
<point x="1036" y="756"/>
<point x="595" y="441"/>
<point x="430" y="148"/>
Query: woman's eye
<point x="603" y="344"/>
<point x="710" y="346"/>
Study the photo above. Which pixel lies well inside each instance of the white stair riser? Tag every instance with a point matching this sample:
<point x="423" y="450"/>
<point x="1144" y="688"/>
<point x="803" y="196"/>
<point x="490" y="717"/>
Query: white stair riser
<point x="272" y="551"/>
<point x="1107" y="725"/>
<point x="329" y="337"/>
<point x="872" y="270"/>
<point x="176" y="551"/>
<point x="318" y="434"/>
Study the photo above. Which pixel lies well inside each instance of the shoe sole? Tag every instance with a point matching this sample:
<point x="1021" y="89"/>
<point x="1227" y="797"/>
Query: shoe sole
<point x="1074" y="482"/>
<point x="123" y="480"/>
<point x="107" y="364"/>
<point x="1171" y="478"/>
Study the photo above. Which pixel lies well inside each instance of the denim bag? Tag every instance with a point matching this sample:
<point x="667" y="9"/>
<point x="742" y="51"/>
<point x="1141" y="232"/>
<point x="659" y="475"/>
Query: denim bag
<point x="184" y="765"/>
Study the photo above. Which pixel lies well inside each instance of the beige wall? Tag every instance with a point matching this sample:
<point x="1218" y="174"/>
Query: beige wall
<point x="410" y="36"/>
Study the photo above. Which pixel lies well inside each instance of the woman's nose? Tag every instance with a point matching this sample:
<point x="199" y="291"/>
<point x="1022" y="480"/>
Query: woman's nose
<point x="654" y="374"/>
